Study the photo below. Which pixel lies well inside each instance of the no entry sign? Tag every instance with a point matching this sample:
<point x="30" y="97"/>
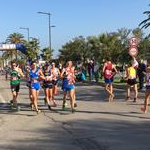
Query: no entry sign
<point x="133" y="51"/>
<point x="133" y="42"/>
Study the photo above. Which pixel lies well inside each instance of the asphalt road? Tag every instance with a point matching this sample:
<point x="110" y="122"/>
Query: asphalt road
<point x="96" y="125"/>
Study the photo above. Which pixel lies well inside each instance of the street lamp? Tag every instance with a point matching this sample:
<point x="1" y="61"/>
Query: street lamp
<point x="27" y="31"/>
<point x="49" y="25"/>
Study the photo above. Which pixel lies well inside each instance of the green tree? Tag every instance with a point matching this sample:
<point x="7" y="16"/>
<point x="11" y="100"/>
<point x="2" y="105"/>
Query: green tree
<point x="14" y="38"/>
<point x="32" y="48"/>
<point x="94" y="49"/>
<point x="123" y="36"/>
<point x="138" y="33"/>
<point x="144" y="48"/>
<point x="74" y="50"/>
<point x="47" y="54"/>
<point x="110" y="46"/>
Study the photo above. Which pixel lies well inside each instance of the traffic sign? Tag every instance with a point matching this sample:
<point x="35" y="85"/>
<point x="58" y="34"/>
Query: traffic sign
<point x="133" y="42"/>
<point x="133" y="51"/>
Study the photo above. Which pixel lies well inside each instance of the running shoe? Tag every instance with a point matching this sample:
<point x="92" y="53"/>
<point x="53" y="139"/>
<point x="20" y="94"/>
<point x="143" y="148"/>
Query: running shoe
<point x="11" y="103"/>
<point x="18" y="108"/>
<point x="15" y="106"/>
<point x="49" y="107"/>
<point x="38" y="111"/>
<point x="64" y="105"/>
<point x="73" y="110"/>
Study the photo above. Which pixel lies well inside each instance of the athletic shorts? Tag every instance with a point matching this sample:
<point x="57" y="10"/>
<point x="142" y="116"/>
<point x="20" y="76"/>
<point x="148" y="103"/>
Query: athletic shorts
<point x="65" y="86"/>
<point x="35" y="86"/>
<point x="131" y="81"/>
<point x="47" y="86"/>
<point x="15" y="88"/>
<point x="108" y="81"/>
<point x="54" y="82"/>
<point x="147" y="87"/>
<point x="68" y="88"/>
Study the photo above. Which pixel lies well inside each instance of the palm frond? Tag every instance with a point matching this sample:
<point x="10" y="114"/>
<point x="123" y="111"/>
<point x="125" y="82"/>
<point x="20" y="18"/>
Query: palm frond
<point x="144" y="21"/>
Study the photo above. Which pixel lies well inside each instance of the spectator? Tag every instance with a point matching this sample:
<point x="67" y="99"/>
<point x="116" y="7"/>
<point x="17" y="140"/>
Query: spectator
<point x="90" y="69"/>
<point x="96" y="71"/>
<point x="7" y="70"/>
<point x="141" y="73"/>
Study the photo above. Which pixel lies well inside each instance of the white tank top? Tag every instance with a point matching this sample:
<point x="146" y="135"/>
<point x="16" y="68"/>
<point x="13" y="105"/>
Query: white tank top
<point x="147" y="78"/>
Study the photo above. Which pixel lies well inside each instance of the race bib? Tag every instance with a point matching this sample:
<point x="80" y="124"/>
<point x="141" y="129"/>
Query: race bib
<point x="108" y="72"/>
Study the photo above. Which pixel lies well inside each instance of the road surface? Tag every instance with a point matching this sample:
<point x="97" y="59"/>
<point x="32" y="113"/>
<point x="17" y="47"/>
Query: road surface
<point x="96" y="125"/>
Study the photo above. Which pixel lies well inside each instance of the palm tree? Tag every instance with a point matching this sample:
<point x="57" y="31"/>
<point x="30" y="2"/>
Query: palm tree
<point x="14" y="38"/>
<point x="47" y="54"/>
<point x="32" y="48"/>
<point x="146" y="23"/>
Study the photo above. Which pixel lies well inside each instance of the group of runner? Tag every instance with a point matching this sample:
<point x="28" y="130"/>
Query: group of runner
<point x="48" y="75"/>
<point x="109" y="71"/>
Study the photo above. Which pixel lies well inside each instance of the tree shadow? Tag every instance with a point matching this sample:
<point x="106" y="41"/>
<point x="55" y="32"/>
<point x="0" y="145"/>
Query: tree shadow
<point x="84" y="134"/>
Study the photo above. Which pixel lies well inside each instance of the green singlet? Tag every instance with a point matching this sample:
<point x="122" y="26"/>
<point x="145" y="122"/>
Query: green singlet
<point x="15" y="77"/>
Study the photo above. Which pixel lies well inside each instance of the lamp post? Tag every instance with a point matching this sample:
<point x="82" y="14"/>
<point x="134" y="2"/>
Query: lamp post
<point x="49" y="25"/>
<point x="27" y="31"/>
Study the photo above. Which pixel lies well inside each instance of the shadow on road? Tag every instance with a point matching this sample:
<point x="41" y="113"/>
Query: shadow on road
<point x="95" y="134"/>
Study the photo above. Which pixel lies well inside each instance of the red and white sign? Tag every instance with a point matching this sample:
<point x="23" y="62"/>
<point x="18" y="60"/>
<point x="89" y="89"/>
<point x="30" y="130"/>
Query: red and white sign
<point x="134" y="42"/>
<point x="133" y="51"/>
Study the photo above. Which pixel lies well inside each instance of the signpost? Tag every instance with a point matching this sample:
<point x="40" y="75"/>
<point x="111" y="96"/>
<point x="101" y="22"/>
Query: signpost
<point x="133" y="51"/>
<point x="134" y="42"/>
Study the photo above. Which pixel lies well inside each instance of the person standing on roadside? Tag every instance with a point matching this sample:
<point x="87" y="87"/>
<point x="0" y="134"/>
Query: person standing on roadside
<point x="7" y="71"/>
<point x="147" y="92"/>
<point x="141" y="73"/>
<point x="90" y="66"/>
<point x="109" y="71"/>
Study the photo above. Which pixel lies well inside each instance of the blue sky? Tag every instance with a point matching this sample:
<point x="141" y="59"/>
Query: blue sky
<point x="71" y="17"/>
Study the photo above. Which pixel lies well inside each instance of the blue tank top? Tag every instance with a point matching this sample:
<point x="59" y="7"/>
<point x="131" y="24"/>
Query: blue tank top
<point x="34" y="76"/>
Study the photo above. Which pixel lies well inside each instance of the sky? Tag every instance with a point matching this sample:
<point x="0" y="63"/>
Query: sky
<point x="72" y="18"/>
